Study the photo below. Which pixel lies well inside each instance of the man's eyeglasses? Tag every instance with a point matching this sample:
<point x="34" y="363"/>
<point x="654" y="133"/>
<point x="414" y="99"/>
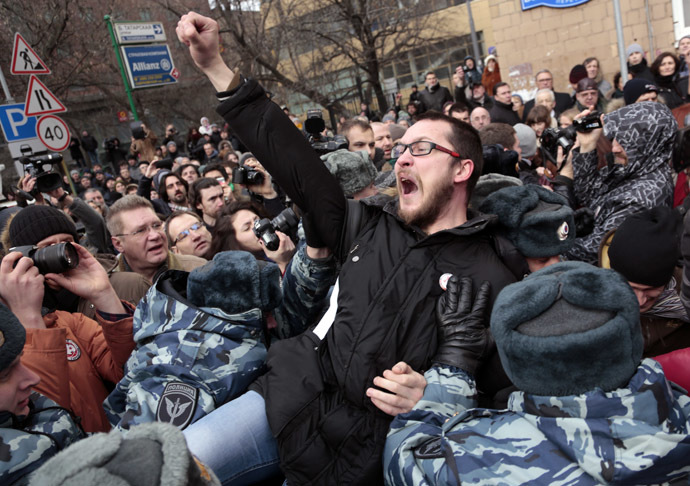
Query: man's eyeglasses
<point x="420" y="148"/>
<point x="140" y="233"/>
<point x="183" y="234"/>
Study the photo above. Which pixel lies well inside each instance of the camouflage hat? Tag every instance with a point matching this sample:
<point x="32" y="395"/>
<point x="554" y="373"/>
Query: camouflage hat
<point x="12" y="337"/>
<point x="568" y="329"/>
<point x="235" y="282"/>
<point x="154" y="454"/>
<point x="537" y="221"/>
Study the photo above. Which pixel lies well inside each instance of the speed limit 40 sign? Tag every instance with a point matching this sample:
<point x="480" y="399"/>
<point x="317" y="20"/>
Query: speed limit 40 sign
<point x="53" y="133"/>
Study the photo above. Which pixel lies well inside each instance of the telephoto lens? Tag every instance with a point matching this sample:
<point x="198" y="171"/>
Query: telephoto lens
<point x="51" y="259"/>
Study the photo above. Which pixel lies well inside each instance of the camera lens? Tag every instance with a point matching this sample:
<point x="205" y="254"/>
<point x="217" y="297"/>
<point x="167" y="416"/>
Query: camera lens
<point x="56" y="258"/>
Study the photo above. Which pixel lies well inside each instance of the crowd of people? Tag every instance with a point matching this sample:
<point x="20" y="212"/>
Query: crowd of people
<point x="450" y="296"/>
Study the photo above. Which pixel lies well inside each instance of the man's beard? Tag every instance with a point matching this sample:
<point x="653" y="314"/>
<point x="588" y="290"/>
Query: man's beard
<point x="180" y="198"/>
<point x="436" y="200"/>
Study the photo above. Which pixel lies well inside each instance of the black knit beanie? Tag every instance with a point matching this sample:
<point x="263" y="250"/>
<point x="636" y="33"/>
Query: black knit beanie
<point x="35" y="223"/>
<point x="645" y="247"/>
<point x="12" y="337"/>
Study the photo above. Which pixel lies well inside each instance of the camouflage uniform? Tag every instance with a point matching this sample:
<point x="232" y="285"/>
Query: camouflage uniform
<point x="26" y="443"/>
<point x="198" y="357"/>
<point x="305" y="287"/>
<point x="204" y="357"/>
<point x="633" y="435"/>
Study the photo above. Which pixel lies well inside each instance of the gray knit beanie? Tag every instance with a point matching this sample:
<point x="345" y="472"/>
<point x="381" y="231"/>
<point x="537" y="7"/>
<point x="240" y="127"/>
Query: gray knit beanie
<point x="12" y="337"/>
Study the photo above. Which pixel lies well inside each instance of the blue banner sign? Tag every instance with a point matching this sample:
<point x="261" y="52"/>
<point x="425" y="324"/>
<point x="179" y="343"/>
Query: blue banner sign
<point x="149" y="66"/>
<point x="528" y="4"/>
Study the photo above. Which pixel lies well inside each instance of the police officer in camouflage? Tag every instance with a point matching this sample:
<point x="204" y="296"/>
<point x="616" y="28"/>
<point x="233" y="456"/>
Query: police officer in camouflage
<point x="33" y="428"/>
<point x="589" y="409"/>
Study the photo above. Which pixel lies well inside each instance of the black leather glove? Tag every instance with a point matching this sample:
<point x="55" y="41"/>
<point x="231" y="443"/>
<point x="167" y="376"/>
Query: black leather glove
<point x="584" y="222"/>
<point x="464" y="340"/>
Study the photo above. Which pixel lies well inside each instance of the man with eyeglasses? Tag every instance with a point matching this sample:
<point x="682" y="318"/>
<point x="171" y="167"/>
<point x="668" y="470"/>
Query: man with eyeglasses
<point x="544" y="80"/>
<point x="187" y="234"/>
<point x="324" y="407"/>
<point x="138" y="235"/>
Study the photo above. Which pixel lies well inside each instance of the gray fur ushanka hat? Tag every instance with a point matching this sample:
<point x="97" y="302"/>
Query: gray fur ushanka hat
<point x="568" y="329"/>
<point x="537" y="221"/>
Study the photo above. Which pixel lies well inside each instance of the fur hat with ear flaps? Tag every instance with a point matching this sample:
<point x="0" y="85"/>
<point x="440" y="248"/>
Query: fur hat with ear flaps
<point x="537" y="221"/>
<point x="568" y="329"/>
<point x="235" y="282"/>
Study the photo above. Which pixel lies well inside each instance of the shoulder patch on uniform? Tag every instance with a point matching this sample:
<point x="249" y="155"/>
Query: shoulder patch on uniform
<point x="431" y="449"/>
<point x="73" y="351"/>
<point x="177" y="404"/>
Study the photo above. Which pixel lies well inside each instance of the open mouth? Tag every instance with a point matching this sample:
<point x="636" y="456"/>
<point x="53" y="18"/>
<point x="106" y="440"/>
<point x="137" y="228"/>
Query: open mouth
<point x="408" y="187"/>
<point x="156" y="248"/>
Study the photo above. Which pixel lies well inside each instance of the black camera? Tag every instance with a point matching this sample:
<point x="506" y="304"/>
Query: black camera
<point x="247" y="176"/>
<point x="552" y="138"/>
<point x="499" y="161"/>
<point x="111" y="143"/>
<point x="165" y="163"/>
<point x="314" y="125"/>
<point x="265" y="229"/>
<point x="137" y="130"/>
<point x="45" y="180"/>
<point x="51" y="259"/>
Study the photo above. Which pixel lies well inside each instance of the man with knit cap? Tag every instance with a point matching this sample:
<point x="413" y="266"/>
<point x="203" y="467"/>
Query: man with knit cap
<point x="637" y="64"/>
<point x="75" y="356"/>
<point x="42" y="226"/>
<point x="589" y="410"/>
<point x="645" y="250"/>
<point x="33" y="428"/>
<point x="639" y="89"/>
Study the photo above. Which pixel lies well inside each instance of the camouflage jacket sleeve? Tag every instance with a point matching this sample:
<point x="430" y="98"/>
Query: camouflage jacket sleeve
<point x="27" y="444"/>
<point x="414" y="447"/>
<point x="305" y="290"/>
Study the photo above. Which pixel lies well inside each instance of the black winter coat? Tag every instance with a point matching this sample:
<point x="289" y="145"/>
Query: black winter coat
<point x="328" y="430"/>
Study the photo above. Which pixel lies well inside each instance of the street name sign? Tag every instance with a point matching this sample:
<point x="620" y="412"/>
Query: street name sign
<point x="148" y="65"/>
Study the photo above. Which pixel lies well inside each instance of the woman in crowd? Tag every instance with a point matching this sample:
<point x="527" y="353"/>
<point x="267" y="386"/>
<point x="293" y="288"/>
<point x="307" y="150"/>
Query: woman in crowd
<point x="539" y="119"/>
<point x="673" y="91"/>
<point x="234" y="230"/>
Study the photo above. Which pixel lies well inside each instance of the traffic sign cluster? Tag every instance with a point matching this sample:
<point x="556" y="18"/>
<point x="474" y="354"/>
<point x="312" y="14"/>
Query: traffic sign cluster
<point x="30" y="127"/>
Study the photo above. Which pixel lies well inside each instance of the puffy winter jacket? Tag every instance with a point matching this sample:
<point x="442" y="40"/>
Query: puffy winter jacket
<point x="328" y="430"/>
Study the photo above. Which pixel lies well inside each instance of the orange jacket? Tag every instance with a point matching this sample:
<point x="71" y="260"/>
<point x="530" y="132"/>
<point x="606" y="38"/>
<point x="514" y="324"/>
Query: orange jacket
<point x="74" y="357"/>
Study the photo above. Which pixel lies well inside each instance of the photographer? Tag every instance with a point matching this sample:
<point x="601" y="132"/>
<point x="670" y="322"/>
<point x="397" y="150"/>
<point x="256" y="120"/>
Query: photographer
<point x="637" y="175"/>
<point x="74" y="356"/>
<point x="143" y="143"/>
<point x="97" y="238"/>
<point x="114" y="153"/>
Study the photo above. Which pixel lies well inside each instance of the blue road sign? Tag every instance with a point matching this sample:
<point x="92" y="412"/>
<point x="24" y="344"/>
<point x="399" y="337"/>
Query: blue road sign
<point x="15" y="125"/>
<point x="148" y="66"/>
<point x="527" y="4"/>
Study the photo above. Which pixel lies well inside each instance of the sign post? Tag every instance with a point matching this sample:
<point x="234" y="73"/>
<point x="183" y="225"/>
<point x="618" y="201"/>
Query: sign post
<point x="128" y="90"/>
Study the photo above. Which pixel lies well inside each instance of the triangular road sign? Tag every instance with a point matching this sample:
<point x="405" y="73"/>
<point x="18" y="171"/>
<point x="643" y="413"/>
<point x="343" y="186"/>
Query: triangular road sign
<point x="25" y="60"/>
<point x="39" y="99"/>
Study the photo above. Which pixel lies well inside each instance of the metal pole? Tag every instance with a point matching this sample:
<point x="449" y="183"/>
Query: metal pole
<point x="621" y="41"/>
<point x="128" y="90"/>
<point x="5" y="88"/>
<point x="473" y="34"/>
